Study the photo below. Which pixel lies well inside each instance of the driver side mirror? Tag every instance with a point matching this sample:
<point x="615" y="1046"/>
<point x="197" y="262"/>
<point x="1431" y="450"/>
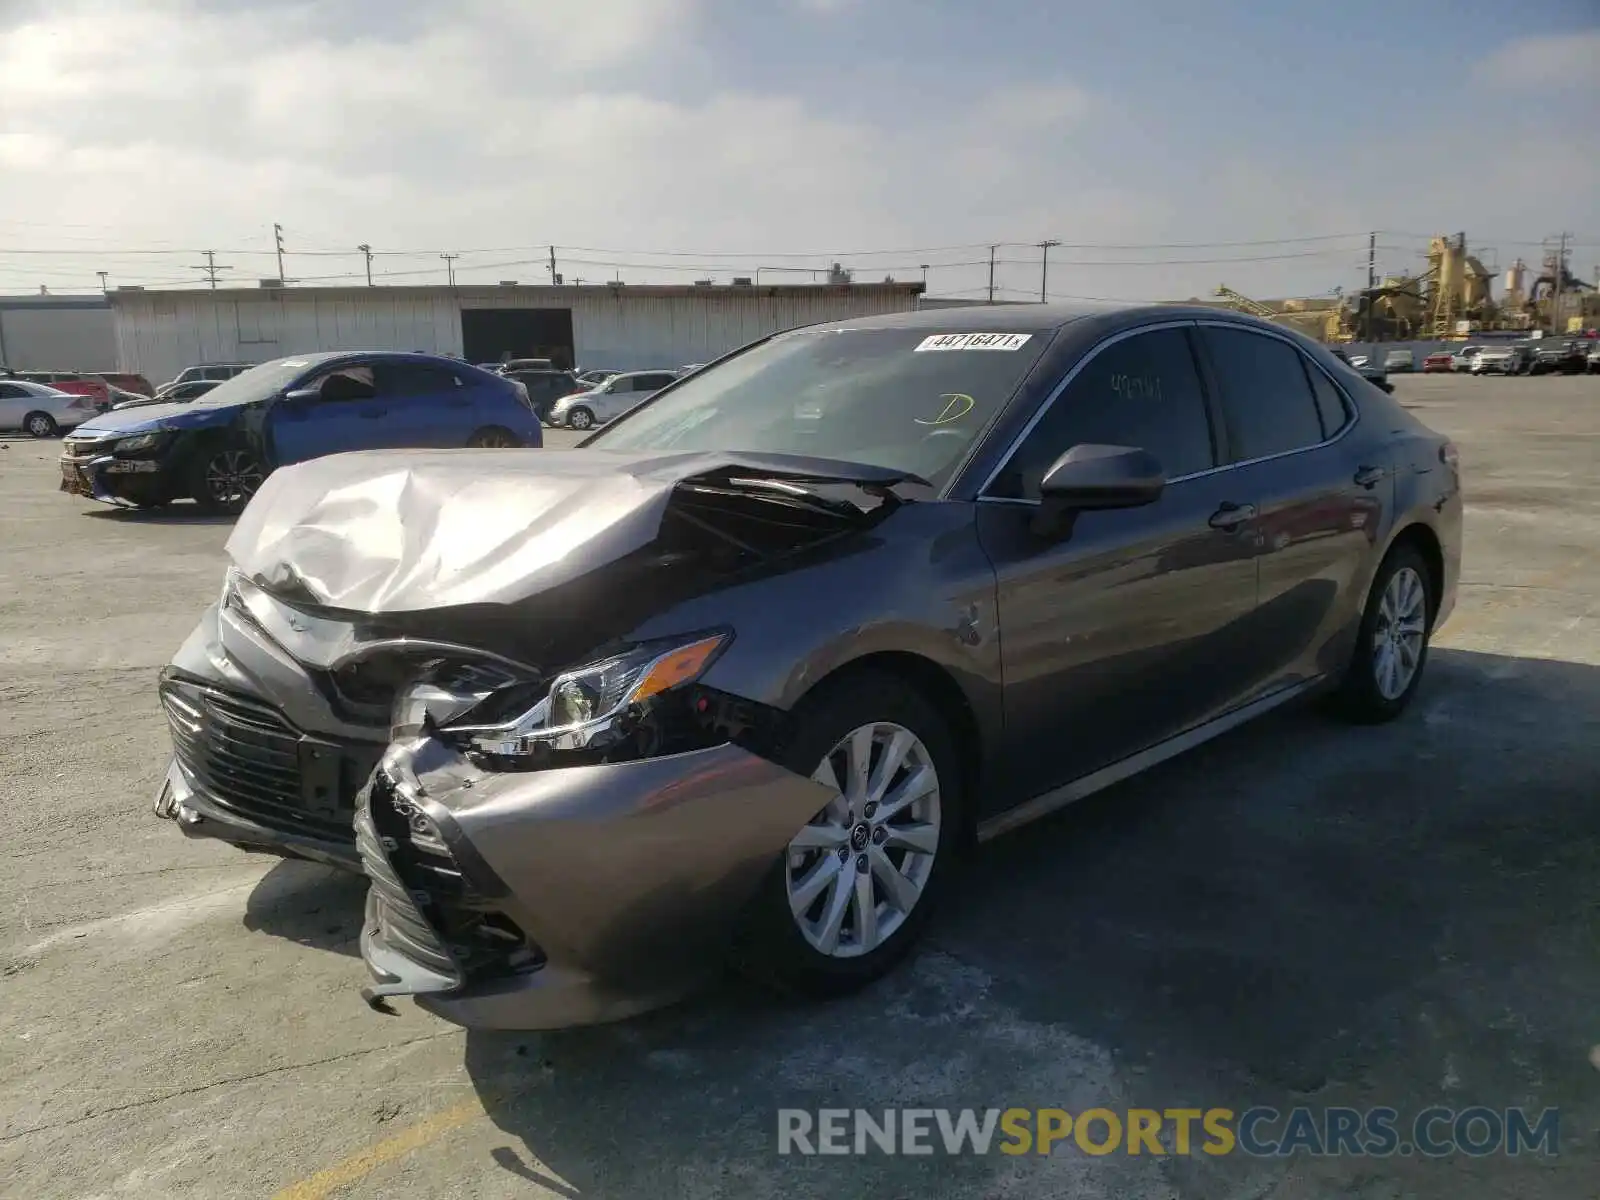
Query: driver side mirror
<point x="1089" y="477"/>
<point x="303" y="397"/>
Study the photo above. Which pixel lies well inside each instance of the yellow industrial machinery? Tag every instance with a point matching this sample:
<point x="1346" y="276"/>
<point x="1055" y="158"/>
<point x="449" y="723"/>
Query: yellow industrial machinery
<point x="1460" y="290"/>
<point x="1238" y="300"/>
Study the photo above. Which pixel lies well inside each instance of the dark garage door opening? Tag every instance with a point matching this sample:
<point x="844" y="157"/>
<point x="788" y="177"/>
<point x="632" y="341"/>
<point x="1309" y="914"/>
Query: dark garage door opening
<point x="491" y="335"/>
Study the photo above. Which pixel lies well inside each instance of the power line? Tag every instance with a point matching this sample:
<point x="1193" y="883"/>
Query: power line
<point x="211" y="268"/>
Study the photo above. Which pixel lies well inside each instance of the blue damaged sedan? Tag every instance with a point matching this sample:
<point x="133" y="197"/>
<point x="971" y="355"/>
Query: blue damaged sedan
<point x="219" y="448"/>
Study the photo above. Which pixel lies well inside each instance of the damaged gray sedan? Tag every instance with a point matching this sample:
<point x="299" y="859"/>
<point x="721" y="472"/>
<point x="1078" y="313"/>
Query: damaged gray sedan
<point x="740" y="678"/>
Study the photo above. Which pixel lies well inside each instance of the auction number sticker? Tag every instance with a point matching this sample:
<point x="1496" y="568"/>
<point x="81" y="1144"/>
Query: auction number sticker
<point x="973" y="341"/>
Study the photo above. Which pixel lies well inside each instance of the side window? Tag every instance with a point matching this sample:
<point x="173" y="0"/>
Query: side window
<point x="415" y="379"/>
<point x="10" y="391"/>
<point x="1330" y="405"/>
<point x="1266" y="399"/>
<point x="1142" y="391"/>
<point x="346" y="383"/>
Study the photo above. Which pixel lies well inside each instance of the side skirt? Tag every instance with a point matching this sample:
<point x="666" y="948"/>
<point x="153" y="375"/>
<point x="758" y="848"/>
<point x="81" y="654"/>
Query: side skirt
<point x="1066" y="794"/>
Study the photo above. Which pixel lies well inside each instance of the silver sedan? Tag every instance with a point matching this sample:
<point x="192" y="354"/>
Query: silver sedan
<point x="41" y="410"/>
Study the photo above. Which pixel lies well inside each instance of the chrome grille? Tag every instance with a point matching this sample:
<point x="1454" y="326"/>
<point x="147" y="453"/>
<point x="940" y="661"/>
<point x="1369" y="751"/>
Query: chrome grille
<point x="244" y="756"/>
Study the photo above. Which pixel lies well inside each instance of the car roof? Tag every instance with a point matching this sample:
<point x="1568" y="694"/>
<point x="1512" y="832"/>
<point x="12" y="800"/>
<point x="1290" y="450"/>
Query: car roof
<point x="984" y="318"/>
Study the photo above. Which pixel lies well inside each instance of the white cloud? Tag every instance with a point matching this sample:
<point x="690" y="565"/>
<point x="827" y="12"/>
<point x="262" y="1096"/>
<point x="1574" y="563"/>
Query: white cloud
<point x="1545" y="62"/>
<point x="195" y="123"/>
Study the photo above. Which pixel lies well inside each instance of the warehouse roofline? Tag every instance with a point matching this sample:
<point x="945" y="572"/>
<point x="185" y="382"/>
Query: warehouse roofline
<point x="543" y="292"/>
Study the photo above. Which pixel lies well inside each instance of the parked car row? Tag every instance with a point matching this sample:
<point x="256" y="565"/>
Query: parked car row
<point x="1543" y="356"/>
<point x="580" y="719"/>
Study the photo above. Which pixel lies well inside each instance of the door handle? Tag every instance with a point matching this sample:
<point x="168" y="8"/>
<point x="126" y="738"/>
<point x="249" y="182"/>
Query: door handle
<point x="1369" y="477"/>
<point x="1230" y="516"/>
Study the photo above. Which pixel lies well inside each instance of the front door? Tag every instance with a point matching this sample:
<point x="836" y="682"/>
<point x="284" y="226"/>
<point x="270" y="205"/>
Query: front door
<point x="1134" y="625"/>
<point x="346" y="414"/>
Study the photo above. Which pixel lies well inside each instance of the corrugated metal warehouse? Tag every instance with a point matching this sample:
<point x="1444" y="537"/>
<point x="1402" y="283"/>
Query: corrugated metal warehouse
<point x="57" y="333"/>
<point x="621" y="326"/>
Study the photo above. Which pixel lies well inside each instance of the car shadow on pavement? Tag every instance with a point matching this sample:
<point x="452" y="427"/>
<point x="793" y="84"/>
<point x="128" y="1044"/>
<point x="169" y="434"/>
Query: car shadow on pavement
<point x="311" y="904"/>
<point x="1298" y="912"/>
<point x="180" y="514"/>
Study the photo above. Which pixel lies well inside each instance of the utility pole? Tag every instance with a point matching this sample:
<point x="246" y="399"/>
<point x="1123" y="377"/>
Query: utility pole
<point x="104" y="286"/>
<point x="277" y="239"/>
<point x="211" y="268"/>
<point x="1372" y="259"/>
<point x="992" y="249"/>
<point x="367" y="250"/>
<point x="450" y="266"/>
<point x="1044" y="265"/>
<point x="1560" y="274"/>
<point x="554" y="278"/>
<point x="924" y="276"/>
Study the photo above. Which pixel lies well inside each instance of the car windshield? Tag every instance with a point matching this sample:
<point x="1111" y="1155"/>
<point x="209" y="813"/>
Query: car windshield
<point x="896" y="398"/>
<point x="258" y="383"/>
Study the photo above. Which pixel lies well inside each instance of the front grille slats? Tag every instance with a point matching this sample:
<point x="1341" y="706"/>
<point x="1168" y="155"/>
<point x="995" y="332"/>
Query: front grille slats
<point x="400" y="922"/>
<point x="424" y="903"/>
<point x="244" y="756"/>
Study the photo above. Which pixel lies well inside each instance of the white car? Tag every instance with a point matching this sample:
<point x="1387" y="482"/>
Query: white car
<point x="1464" y="358"/>
<point x="41" y="410"/>
<point x="617" y="395"/>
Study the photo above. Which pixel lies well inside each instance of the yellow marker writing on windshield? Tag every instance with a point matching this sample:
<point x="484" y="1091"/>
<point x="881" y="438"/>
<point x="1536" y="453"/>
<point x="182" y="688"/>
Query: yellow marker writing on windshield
<point x="956" y="406"/>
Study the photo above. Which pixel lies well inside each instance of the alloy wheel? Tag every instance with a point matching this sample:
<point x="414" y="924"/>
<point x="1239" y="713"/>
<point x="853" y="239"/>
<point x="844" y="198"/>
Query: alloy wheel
<point x="40" y="425"/>
<point x="580" y="419"/>
<point x="1397" y="637"/>
<point x="494" y="439"/>
<point x="233" y="476"/>
<point x="858" y="869"/>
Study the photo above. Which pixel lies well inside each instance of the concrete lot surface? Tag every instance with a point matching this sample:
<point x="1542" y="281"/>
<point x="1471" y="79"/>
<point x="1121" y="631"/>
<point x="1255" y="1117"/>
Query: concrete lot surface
<point x="1299" y="913"/>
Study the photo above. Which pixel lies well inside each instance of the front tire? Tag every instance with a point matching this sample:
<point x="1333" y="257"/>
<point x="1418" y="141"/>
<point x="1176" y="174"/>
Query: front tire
<point x="580" y="418"/>
<point x="40" y="425"/>
<point x="494" y="437"/>
<point x="854" y="889"/>
<point x="1392" y="643"/>
<point x="224" y="477"/>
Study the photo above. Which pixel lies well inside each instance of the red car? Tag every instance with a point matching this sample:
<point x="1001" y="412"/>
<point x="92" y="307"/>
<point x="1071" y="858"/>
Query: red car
<point x="75" y="382"/>
<point x="128" y="382"/>
<point x="1437" y="363"/>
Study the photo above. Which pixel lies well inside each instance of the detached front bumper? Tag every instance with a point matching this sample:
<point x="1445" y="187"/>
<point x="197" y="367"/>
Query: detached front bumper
<point x="566" y="896"/>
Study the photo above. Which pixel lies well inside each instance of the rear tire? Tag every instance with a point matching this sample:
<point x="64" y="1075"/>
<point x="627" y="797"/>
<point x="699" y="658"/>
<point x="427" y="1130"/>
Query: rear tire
<point x="40" y="425"/>
<point x="1392" y="643"/>
<point x="851" y="895"/>
<point x="580" y="418"/>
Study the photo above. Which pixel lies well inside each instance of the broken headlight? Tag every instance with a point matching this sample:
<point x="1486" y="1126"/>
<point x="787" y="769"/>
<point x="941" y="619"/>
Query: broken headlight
<point x="600" y="702"/>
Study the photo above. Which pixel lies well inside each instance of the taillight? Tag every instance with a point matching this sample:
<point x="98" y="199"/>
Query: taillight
<point x="1449" y="456"/>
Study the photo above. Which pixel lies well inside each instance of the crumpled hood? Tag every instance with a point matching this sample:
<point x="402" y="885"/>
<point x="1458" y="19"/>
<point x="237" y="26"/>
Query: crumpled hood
<point x="400" y="531"/>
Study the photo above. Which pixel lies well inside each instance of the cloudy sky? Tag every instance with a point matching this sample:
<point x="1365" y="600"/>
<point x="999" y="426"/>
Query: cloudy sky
<point x="674" y="139"/>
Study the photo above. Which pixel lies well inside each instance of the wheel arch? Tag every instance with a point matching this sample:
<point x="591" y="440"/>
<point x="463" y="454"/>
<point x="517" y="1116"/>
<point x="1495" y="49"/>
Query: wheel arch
<point x="941" y="688"/>
<point x="1423" y="538"/>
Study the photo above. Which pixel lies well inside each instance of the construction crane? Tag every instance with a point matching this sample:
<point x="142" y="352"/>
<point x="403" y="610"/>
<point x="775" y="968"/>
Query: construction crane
<point x="1239" y="300"/>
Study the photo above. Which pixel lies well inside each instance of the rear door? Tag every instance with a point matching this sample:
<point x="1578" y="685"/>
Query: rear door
<point x="1320" y="501"/>
<point x="1134" y="626"/>
<point x="426" y="405"/>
